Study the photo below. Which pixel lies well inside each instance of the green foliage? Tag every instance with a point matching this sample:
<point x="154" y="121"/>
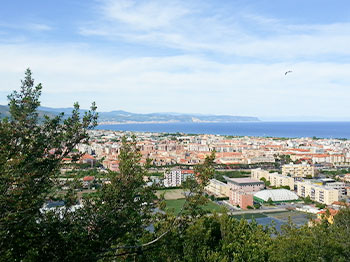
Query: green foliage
<point x="214" y="238"/>
<point x="266" y="182"/>
<point x="82" y="173"/>
<point x="322" y="242"/>
<point x="321" y="206"/>
<point x="30" y="155"/>
<point x="269" y="201"/>
<point x="281" y="187"/>
<point x="257" y="205"/>
<point x="195" y="198"/>
<point x="308" y="200"/>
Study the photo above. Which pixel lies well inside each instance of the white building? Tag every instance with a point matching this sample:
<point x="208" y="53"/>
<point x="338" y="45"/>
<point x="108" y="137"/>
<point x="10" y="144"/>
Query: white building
<point x="276" y="195"/>
<point x="175" y="177"/>
<point x="317" y="193"/>
<point x="300" y="170"/>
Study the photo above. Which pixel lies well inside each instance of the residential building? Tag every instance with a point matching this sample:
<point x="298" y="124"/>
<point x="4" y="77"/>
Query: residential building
<point x="242" y="189"/>
<point x="339" y="186"/>
<point x="218" y="188"/>
<point x="175" y="177"/>
<point x="298" y="170"/>
<point x="275" y="179"/>
<point x="317" y="193"/>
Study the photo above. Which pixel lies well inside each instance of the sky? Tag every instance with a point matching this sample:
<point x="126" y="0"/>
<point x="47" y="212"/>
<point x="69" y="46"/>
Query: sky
<point x="207" y="57"/>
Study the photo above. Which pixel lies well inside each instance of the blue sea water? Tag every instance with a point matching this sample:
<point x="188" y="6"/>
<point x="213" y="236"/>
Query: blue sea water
<point x="264" y="129"/>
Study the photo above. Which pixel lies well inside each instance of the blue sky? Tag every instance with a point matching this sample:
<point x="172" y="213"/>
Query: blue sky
<point x="217" y="57"/>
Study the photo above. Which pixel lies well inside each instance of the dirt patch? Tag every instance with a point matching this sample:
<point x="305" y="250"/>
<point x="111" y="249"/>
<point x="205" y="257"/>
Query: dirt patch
<point x="171" y="194"/>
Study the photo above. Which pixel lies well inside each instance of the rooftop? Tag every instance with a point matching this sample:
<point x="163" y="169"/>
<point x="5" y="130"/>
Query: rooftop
<point x="244" y="180"/>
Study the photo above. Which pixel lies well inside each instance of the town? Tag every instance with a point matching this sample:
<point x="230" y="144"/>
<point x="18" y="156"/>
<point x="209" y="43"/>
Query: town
<point x="253" y="174"/>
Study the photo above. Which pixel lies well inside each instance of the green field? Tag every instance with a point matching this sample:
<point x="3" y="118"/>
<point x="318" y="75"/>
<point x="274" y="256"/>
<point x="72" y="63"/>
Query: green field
<point x="177" y="204"/>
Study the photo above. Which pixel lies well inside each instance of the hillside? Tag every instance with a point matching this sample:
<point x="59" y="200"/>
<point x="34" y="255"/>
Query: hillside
<point x="120" y="116"/>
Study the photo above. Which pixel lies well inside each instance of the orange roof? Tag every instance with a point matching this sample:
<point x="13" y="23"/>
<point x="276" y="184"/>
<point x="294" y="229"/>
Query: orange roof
<point x="299" y="149"/>
<point x="320" y="155"/>
<point x="88" y="178"/>
<point x="87" y="156"/>
<point x="340" y="203"/>
<point x="187" y="171"/>
<point x="332" y="212"/>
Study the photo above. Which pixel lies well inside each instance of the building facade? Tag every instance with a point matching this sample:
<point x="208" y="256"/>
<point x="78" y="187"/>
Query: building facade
<point x="275" y="179"/>
<point x="317" y="193"/>
<point x="218" y="188"/>
<point x="242" y="189"/>
<point x="175" y="177"/>
<point x="298" y="170"/>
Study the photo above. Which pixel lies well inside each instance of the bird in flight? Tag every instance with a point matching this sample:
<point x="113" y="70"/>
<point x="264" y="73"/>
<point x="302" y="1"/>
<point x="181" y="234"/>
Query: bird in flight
<point x="288" y="72"/>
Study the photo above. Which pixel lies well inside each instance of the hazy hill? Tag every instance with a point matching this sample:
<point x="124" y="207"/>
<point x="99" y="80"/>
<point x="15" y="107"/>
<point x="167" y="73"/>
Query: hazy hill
<point x="120" y="116"/>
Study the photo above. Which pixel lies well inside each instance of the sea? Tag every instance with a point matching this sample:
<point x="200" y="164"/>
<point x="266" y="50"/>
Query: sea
<point x="260" y="129"/>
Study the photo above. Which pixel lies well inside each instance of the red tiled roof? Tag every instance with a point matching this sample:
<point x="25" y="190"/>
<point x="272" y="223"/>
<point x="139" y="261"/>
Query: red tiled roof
<point x="88" y="178"/>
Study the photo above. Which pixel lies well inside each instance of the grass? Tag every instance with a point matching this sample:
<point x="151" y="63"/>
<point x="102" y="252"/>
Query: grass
<point x="171" y="194"/>
<point x="176" y="205"/>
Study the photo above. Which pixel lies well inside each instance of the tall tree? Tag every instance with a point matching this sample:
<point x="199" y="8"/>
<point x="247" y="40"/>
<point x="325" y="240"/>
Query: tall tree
<point x="30" y="153"/>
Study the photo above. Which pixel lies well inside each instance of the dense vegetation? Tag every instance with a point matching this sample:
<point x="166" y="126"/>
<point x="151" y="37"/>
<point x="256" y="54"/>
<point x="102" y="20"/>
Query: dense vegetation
<point x="120" y="222"/>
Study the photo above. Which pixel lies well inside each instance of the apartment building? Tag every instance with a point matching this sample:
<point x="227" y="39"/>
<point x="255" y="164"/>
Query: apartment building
<point x="275" y="179"/>
<point x="175" y="177"/>
<point x="317" y="193"/>
<point x="279" y="180"/>
<point x="258" y="173"/>
<point x="298" y="170"/>
<point x="339" y="186"/>
<point x="242" y="189"/>
<point x="218" y="188"/>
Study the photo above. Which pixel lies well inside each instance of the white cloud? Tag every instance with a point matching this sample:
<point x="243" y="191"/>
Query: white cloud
<point x="39" y="27"/>
<point x="195" y="28"/>
<point x="144" y="15"/>
<point x="185" y="83"/>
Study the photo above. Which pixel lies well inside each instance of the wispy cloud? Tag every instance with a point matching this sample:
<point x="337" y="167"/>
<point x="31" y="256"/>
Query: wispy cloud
<point x="27" y="26"/>
<point x="144" y="15"/>
<point x="185" y="83"/>
<point x="197" y="28"/>
<point x="38" y="27"/>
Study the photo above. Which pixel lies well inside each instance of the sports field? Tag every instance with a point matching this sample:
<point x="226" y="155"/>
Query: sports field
<point x="171" y="194"/>
<point x="175" y="205"/>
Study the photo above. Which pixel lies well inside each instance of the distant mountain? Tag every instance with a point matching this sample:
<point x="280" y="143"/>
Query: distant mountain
<point x="4" y="112"/>
<point x="120" y="116"/>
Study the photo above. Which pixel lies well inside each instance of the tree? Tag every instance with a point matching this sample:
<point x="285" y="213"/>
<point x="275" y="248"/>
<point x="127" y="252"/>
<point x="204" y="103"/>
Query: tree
<point x="321" y="242"/>
<point x="214" y="238"/>
<point x="307" y="200"/>
<point x="269" y="201"/>
<point x="31" y="149"/>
